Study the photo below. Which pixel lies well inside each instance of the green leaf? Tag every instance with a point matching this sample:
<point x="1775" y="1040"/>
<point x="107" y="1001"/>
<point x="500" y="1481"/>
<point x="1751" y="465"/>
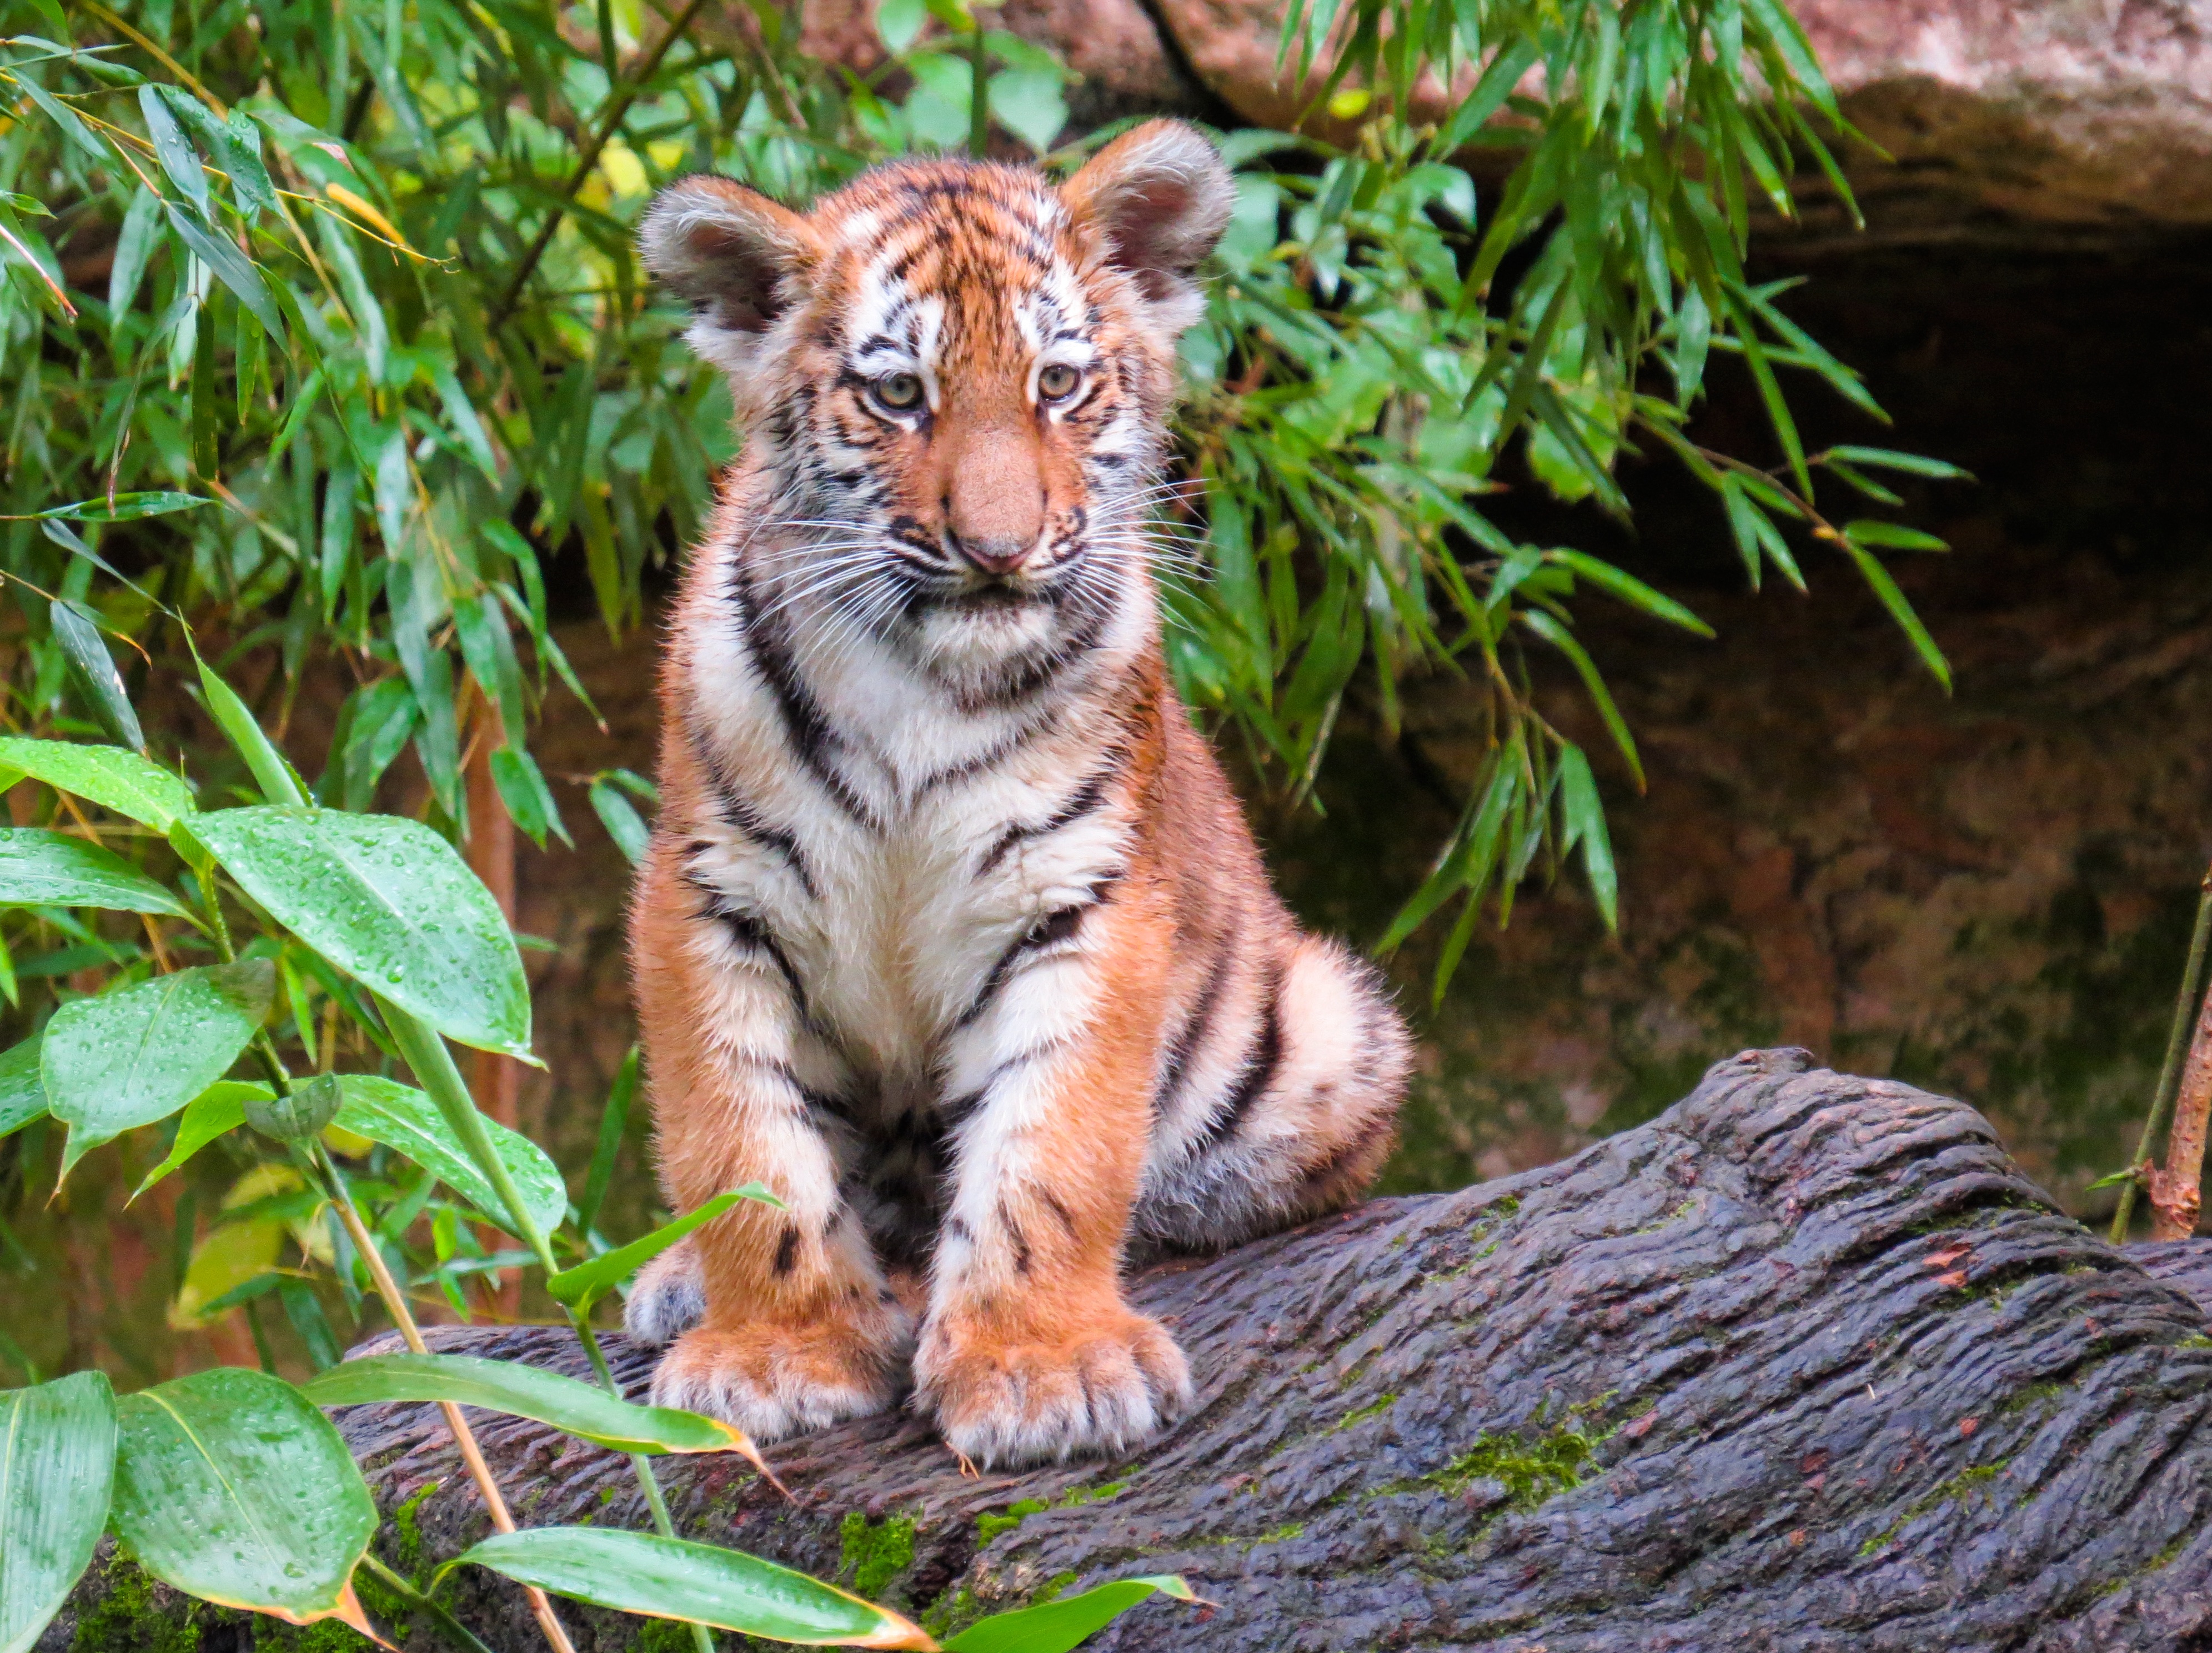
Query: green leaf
<point x="389" y="902"/>
<point x="1900" y="610"/>
<point x="1883" y="459"/>
<point x="1030" y="104"/>
<point x="587" y="1282"/>
<point x="529" y="800"/>
<point x="402" y="1117"/>
<point x="130" y="1057"/>
<point x="279" y="781"/>
<point x="217" y="1111"/>
<point x="94" y="672"/>
<point x="71" y="124"/>
<point x="620" y="817"/>
<point x="231" y="268"/>
<point x="39" y="868"/>
<point x="581" y="1409"/>
<point x="173" y="148"/>
<point x="57" y="1467"/>
<point x="1616" y="582"/>
<point x="1896" y="534"/>
<point x="111" y="776"/>
<point x="230" y="1486"/>
<point x="670" y="1578"/>
<point x="23" y="1090"/>
<point x="614" y="1122"/>
<point x="125" y="508"/>
<point x="1057" y="1626"/>
<point x="298" y="1113"/>
<point x="1585" y="822"/>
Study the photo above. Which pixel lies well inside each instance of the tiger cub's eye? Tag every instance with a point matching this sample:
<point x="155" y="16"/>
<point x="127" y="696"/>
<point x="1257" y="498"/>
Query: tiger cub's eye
<point x="899" y="392"/>
<point x="1056" y="381"/>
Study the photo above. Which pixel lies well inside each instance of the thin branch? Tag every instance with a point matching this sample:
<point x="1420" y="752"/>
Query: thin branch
<point x="610" y="124"/>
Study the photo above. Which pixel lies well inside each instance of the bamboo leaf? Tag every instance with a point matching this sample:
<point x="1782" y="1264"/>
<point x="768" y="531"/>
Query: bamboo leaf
<point x="670" y="1578"/>
<point x="1059" y="1626"/>
<point x="111" y="776"/>
<point x="39" y="868"/>
<point x="232" y="1487"/>
<point x="576" y="1408"/>
<point x="56" y="1468"/>
<point x="587" y="1282"/>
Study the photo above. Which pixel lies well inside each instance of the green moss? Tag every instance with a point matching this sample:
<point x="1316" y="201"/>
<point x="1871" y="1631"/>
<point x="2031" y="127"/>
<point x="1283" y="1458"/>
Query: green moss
<point x="326" y="1636"/>
<point x="875" y="1554"/>
<point x="1282" y="1534"/>
<point x="661" y="1636"/>
<point x="1530" y="1471"/>
<point x="406" y="1521"/>
<point x="2195" y="1340"/>
<point x="1373" y="1409"/>
<point x="125" y="1620"/>
<point x="954" y="1610"/>
<point x="1959" y="1488"/>
<point x="1051" y="1589"/>
<point x="988" y="1527"/>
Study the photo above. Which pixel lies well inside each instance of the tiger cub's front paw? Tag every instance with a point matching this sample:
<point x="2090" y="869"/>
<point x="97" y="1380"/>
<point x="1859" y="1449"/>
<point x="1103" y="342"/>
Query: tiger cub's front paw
<point x="1109" y="1382"/>
<point x="772" y="1380"/>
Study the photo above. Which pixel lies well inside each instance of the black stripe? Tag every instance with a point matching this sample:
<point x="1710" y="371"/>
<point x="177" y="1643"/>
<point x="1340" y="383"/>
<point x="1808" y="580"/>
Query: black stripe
<point x="1021" y="1240"/>
<point x="1187" y="1039"/>
<point x="1052" y="927"/>
<point x="786" y="1249"/>
<point x="1085" y="798"/>
<point x="1052" y="1203"/>
<point x="741" y="817"/>
<point x="1260" y="1065"/>
<point x="752" y="929"/>
<point x="806" y="728"/>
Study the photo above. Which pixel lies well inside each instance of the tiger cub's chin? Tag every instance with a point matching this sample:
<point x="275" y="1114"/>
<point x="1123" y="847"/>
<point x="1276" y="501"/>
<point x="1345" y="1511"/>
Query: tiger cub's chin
<point x="951" y="931"/>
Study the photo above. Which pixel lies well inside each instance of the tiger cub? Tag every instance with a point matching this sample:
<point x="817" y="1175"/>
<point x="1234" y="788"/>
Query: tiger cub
<point x="952" y="930"/>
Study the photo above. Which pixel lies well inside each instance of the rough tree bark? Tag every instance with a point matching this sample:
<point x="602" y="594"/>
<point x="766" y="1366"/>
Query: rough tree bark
<point x="1806" y="1363"/>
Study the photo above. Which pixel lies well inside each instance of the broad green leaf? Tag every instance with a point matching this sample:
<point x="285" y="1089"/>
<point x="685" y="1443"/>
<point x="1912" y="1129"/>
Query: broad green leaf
<point x="111" y="776"/>
<point x="400" y="1116"/>
<point x="670" y="1578"/>
<point x="390" y="903"/>
<point x="215" y="1112"/>
<point x="587" y="1282"/>
<point x="1585" y="822"/>
<point x="138" y="1054"/>
<point x="39" y="868"/>
<point x="230" y="1486"/>
<point x="57" y="1462"/>
<point x="94" y="670"/>
<point x="22" y="1090"/>
<point x="577" y="1408"/>
<point x="1057" y="1626"/>
<point x="529" y="800"/>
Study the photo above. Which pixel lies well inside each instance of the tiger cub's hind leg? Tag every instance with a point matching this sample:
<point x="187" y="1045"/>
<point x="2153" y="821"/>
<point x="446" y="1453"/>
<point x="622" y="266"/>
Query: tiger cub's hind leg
<point x="1291" y="1113"/>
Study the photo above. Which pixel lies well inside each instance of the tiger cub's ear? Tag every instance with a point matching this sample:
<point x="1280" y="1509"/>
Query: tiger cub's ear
<point x="1159" y="197"/>
<point x="739" y="259"/>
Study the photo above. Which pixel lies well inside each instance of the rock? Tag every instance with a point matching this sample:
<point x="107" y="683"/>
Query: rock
<point x="1804" y="1363"/>
<point x="2044" y="109"/>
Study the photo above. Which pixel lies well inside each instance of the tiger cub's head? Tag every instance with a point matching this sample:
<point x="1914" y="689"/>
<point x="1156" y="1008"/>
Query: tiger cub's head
<point x="955" y="375"/>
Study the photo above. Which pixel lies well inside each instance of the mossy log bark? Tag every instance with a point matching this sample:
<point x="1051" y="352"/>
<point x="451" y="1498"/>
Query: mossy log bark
<point x="1806" y="1363"/>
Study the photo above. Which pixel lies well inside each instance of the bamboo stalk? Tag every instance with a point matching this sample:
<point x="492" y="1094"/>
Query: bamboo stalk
<point x="2169" y="1074"/>
<point x="395" y="1302"/>
<point x="2177" y="1188"/>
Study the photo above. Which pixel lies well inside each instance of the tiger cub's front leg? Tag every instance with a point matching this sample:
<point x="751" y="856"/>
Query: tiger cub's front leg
<point x="797" y="1327"/>
<point x="1030" y="1352"/>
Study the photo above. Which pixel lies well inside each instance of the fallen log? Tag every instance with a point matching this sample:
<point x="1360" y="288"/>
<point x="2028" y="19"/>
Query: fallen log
<point x="1806" y="1363"/>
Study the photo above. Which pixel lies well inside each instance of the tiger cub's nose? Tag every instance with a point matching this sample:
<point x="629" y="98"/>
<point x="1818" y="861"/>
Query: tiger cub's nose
<point x="994" y="502"/>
